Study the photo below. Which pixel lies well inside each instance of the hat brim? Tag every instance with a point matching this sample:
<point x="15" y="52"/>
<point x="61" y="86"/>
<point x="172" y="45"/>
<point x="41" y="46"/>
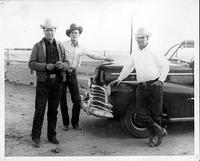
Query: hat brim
<point x="47" y="27"/>
<point x="143" y="35"/>
<point x="70" y="30"/>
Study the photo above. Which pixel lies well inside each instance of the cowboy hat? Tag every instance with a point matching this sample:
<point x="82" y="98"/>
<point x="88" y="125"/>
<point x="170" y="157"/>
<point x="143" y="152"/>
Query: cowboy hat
<point x="48" y="24"/>
<point x="73" y="27"/>
<point x="141" y="32"/>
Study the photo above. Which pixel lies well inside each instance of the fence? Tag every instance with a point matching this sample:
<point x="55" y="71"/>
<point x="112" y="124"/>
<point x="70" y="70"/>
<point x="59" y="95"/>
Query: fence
<point x="9" y="56"/>
<point x="16" y="69"/>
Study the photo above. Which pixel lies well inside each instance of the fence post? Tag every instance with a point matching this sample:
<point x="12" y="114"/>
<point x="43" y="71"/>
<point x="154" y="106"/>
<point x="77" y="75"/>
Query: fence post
<point x="8" y="61"/>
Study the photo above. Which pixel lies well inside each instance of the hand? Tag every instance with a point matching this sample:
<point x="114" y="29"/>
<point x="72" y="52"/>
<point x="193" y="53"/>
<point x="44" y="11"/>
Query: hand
<point x="116" y="81"/>
<point x="158" y="83"/>
<point x="59" y="65"/>
<point x="108" y="59"/>
<point x="70" y="69"/>
<point x="49" y="66"/>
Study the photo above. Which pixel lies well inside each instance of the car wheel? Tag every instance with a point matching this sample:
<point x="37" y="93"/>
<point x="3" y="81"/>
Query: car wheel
<point x="130" y="125"/>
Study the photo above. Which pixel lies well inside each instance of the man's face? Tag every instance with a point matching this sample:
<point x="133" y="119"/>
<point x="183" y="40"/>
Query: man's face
<point x="49" y="33"/>
<point x="142" y="41"/>
<point x="74" y="35"/>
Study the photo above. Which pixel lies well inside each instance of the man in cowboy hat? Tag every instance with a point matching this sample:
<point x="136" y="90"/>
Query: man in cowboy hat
<point x="74" y="51"/>
<point x="49" y="61"/>
<point x="151" y="71"/>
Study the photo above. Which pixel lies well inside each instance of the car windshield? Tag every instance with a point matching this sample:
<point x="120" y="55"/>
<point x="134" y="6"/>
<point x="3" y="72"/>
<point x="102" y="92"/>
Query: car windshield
<point x="181" y="53"/>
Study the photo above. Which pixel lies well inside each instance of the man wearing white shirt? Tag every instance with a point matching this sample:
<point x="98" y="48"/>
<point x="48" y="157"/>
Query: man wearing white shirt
<point x="151" y="71"/>
<point x="73" y="52"/>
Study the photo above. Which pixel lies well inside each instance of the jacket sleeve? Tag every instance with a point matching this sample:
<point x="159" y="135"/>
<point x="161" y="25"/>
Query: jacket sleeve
<point x="64" y="58"/>
<point x="33" y="63"/>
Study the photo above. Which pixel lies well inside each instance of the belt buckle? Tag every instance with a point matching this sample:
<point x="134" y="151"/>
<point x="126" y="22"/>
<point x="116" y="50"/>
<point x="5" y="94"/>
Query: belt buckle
<point x="52" y="76"/>
<point x="70" y="70"/>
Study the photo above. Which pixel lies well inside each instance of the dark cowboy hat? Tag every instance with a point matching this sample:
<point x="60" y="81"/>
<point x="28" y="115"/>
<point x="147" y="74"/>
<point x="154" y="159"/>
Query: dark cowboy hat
<point x="73" y="27"/>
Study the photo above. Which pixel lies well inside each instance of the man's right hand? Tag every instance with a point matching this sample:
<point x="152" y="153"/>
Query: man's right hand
<point x="108" y="59"/>
<point x="49" y="66"/>
<point x="116" y="81"/>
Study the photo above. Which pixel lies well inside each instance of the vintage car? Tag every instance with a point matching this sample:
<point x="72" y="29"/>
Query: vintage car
<point x="119" y="101"/>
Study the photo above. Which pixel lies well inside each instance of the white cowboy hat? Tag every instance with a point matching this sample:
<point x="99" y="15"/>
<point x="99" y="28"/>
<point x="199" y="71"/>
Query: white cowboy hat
<point x="48" y="24"/>
<point x="141" y="32"/>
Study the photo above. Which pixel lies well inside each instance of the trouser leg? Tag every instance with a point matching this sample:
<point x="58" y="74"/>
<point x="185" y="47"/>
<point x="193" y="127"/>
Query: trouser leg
<point x="53" y="102"/>
<point x="63" y="104"/>
<point x="40" y="104"/>
<point x="143" y="114"/>
<point x="75" y="96"/>
<point x="156" y="102"/>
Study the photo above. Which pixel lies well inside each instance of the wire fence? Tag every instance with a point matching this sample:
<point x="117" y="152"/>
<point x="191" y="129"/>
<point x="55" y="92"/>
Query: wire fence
<point x="19" y="55"/>
<point x="16" y="55"/>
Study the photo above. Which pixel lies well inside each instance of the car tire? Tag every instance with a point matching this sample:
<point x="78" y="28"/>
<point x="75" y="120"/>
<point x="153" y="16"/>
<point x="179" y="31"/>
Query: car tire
<point x="131" y="126"/>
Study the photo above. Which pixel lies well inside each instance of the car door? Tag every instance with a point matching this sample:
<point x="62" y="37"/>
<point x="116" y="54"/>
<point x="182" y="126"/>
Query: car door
<point x="179" y="101"/>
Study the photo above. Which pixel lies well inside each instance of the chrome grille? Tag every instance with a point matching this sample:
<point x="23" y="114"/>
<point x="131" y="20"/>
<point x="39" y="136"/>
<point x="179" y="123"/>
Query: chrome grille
<point x="99" y="98"/>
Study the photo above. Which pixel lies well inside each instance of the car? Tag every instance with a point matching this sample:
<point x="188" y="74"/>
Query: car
<point x="119" y="101"/>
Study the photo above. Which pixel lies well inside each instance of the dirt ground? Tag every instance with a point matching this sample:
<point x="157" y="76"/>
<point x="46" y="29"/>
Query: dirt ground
<point x="99" y="137"/>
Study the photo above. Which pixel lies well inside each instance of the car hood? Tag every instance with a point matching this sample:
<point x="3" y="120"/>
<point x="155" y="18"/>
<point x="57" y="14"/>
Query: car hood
<point x="174" y="68"/>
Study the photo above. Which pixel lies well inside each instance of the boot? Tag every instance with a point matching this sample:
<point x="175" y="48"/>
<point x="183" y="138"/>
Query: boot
<point x="160" y="133"/>
<point x="153" y="138"/>
<point x="36" y="142"/>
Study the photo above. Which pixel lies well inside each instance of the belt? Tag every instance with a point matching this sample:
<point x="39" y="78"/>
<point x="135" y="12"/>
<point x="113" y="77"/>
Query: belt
<point x="71" y="70"/>
<point x="53" y="76"/>
<point x="148" y="83"/>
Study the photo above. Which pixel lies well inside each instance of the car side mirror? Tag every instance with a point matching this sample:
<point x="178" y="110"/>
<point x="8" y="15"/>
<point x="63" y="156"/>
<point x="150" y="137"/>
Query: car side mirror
<point x="187" y="44"/>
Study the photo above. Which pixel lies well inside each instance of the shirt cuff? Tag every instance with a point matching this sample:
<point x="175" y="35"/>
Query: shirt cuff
<point x="160" y="79"/>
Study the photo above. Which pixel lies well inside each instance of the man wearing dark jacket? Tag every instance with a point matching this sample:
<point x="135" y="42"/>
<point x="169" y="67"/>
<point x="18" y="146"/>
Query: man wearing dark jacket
<point x="49" y="62"/>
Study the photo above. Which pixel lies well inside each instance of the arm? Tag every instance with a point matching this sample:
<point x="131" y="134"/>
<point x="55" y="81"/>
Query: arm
<point x="163" y="66"/>
<point x="128" y="67"/>
<point x="95" y="57"/>
<point x="33" y="61"/>
<point x="64" y="63"/>
<point x="65" y="60"/>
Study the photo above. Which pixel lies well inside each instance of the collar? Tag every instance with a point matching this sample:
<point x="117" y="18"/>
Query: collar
<point x="77" y="44"/>
<point x="47" y="41"/>
<point x="145" y="48"/>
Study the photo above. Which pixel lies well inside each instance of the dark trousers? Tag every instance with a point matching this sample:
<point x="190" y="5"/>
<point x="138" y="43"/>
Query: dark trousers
<point x="72" y="84"/>
<point x="46" y="91"/>
<point x="149" y="103"/>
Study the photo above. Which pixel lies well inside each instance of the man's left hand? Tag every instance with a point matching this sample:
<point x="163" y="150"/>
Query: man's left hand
<point x="59" y="65"/>
<point x="158" y="83"/>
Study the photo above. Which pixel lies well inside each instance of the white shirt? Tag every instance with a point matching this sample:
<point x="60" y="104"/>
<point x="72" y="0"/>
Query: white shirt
<point x="147" y="64"/>
<point x="74" y="53"/>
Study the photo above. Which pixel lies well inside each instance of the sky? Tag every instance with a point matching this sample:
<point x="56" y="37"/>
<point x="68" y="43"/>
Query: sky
<point x="106" y="23"/>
